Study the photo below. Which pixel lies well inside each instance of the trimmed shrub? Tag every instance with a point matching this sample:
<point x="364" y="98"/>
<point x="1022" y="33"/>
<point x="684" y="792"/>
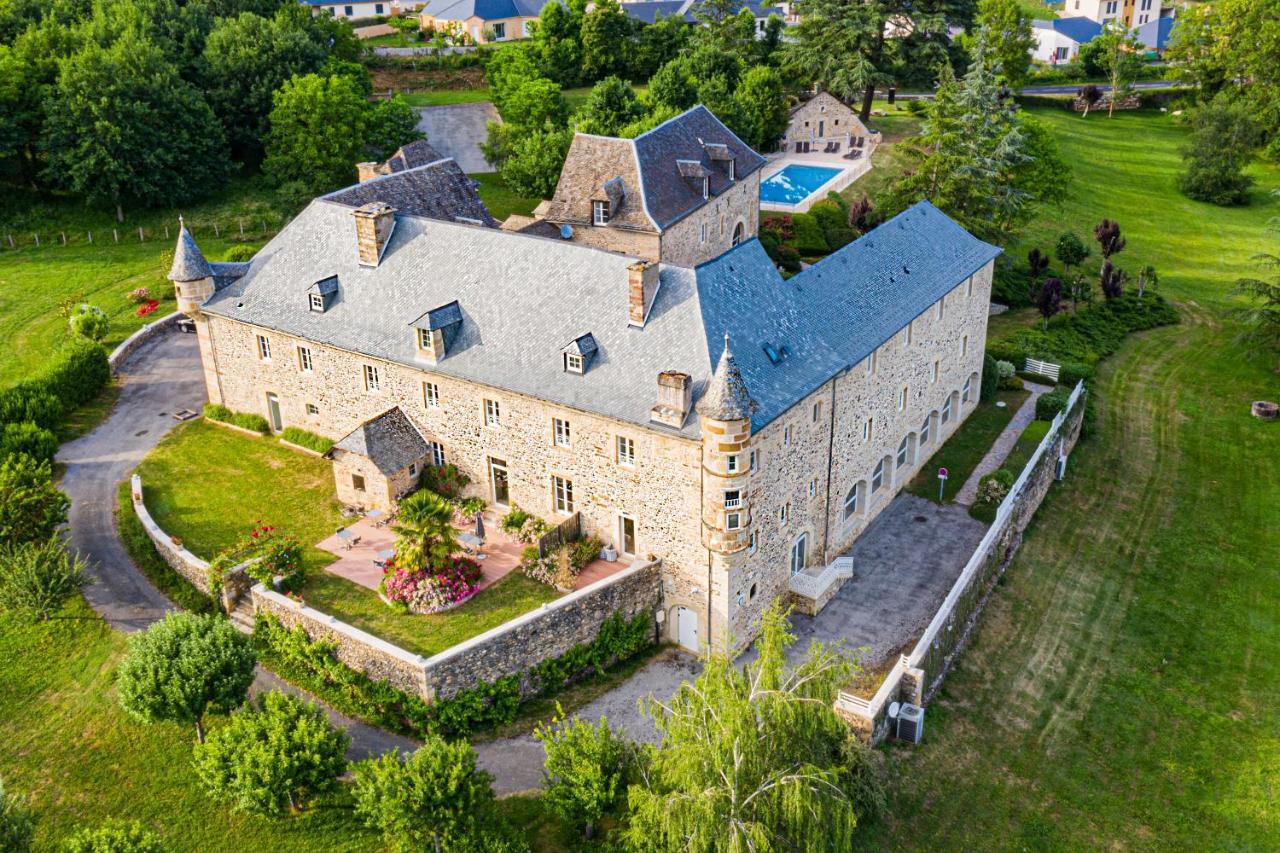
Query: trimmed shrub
<point x="990" y="379"/>
<point x="79" y="372"/>
<point x="27" y="401"/>
<point x="838" y="238"/>
<point x="1071" y="372"/>
<point x="217" y="412"/>
<point x="1003" y="350"/>
<point x="789" y="258"/>
<point x="115" y="836"/>
<point x="808" y="238"/>
<point x="240" y="253"/>
<point x="309" y="440"/>
<point x="249" y="421"/>
<point x="829" y="215"/>
<point x="1089" y="335"/>
<point x="26" y="437"/>
<point x="89" y="321"/>
<point x="1048" y="405"/>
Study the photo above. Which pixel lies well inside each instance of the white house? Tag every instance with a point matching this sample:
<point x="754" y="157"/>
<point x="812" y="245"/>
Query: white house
<point x="1131" y="13"/>
<point x="1059" y="40"/>
<point x="342" y="9"/>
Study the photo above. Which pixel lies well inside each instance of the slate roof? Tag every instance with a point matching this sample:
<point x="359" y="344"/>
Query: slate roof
<point x="726" y="397"/>
<point x="188" y="261"/>
<point x="486" y="10"/>
<point x="225" y="272"/>
<point x="1079" y="29"/>
<point x="648" y="11"/>
<point x="660" y="170"/>
<point x="439" y="190"/>
<point x="833" y="315"/>
<point x="411" y="156"/>
<point x="390" y="441"/>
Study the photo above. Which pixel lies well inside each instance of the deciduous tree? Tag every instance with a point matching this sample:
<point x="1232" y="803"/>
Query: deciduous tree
<point x="184" y="666"/>
<point x="318" y="130"/>
<point x="1049" y="299"/>
<point x="761" y="108"/>
<point x="611" y="106"/>
<point x="31" y="507"/>
<point x="1223" y="139"/>
<point x="606" y="41"/>
<point x="586" y="771"/>
<point x="1012" y="41"/>
<point x="274" y="757"/>
<point x="1120" y="54"/>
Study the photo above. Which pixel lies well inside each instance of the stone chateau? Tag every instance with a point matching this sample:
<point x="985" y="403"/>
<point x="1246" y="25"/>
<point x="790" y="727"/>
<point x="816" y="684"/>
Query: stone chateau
<point x="630" y="354"/>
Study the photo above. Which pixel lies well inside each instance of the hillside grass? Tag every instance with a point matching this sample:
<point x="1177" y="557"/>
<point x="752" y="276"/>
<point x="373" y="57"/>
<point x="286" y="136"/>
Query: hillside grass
<point x="1120" y="689"/>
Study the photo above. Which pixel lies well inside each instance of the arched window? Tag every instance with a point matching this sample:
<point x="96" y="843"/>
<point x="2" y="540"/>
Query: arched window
<point x="946" y="410"/>
<point x="739" y="231"/>
<point x="877" y="477"/>
<point x="904" y="450"/>
<point x="851" y="502"/>
<point x="924" y="429"/>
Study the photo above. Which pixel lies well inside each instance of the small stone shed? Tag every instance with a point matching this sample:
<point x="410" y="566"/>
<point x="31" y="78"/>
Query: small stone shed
<point x="825" y="118"/>
<point x="378" y="462"/>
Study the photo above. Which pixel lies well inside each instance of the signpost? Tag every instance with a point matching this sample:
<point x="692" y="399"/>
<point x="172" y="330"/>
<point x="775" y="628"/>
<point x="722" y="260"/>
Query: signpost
<point x="942" y="482"/>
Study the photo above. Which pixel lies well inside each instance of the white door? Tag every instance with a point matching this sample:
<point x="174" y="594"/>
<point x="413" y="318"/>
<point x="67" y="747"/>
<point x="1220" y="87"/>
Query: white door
<point x="687" y="628"/>
<point x="799" y="554"/>
<point x="627" y="536"/>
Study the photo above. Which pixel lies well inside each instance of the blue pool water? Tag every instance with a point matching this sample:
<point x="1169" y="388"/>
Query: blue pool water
<point x="795" y="183"/>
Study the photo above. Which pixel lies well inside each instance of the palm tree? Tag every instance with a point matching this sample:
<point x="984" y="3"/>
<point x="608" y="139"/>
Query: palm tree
<point x="425" y="536"/>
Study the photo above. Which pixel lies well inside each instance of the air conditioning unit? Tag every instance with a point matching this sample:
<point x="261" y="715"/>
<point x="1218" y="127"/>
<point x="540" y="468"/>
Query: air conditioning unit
<point x="1060" y="470"/>
<point x="910" y="723"/>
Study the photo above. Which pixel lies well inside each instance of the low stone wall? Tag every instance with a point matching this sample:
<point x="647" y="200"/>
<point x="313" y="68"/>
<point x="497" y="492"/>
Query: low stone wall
<point x="916" y="677"/>
<point x="179" y="558"/>
<point x="550" y="631"/>
<point x="140" y="337"/>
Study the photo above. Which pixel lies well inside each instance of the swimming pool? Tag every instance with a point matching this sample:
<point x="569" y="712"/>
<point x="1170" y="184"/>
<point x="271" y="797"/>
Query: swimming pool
<point x="795" y="183"/>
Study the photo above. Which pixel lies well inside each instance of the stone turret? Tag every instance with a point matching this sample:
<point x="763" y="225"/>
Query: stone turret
<point x="191" y="274"/>
<point x="724" y="413"/>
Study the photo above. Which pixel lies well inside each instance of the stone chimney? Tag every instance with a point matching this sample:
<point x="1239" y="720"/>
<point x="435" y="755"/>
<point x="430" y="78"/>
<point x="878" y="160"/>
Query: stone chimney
<point x="675" y="399"/>
<point x="642" y="286"/>
<point x="367" y="171"/>
<point x="374" y="224"/>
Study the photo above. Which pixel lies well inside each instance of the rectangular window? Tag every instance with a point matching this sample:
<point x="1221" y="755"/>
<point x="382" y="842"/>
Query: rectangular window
<point x="499" y="31"/>
<point x="877" y="477"/>
<point x="572" y="362"/>
<point x="731" y="463"/>
<point x="437" y="453"/>
<point x="851" y="502"/>
<point x="264" y="348"/>
<point x="706" y="189"/>
<point x="866" y="429"/>
<point x="348" y="11"/>
<point x="817" y="411"/>
<point x="903" y="453"/>
<point x="413" y="469"/>
<point x="357" y="482"/>
<point x="786" y="436"/>
<point x="784" y="514"/>
<point x="753" y="461"/>
<point x="946" y="410"/>
<point x="941" y="307"/>
<point x="424" y="340"/>
<point x="492" y="413"/>
<point x="304" y="359"/>
<point x="431" y="395"/>
<point x="813" y="487"/>
<point x="702" y="234"/>
<point x="371" y="378"/>
<point x="968" y="286"/>
<point x="732" y="521"/>
<point x="964" y="346"/>
<point x="937" y="369"/>
<point x="753" y="543"/>
<point x="563" y="492"/>
<point x="626" y="451"/>
<point x="317" y="302"/>
<point x="902" y="399"/>
<point x="908" y="335"/>
<point x="871" y="364"/>
<point x="924" y="429"/>
<point x="561" y="430"/>
<point x="599" y="213"/>
<point x="732" y="498"/>
<point x="313" y="409"/>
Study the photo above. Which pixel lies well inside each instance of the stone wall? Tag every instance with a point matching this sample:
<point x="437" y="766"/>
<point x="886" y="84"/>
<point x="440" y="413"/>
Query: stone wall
<point x="542" y="634"/>
<point x="684" y="243"/>
<point x="131" y="344"/>
<point x="182" y="561"/>
<point x="837" y="118"/>
<point x="509" y="649"/>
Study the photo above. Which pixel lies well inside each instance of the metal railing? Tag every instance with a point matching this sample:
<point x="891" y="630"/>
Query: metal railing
<point x="814" y="586"/>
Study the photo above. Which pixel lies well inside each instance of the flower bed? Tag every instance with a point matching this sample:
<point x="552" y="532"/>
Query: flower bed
<point x="430" y="590"/>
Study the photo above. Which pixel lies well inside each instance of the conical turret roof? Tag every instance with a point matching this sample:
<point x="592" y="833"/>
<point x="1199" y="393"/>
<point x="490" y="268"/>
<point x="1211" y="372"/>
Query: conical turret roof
<point x="188" y="262"/>
<point x="726" y="397"/>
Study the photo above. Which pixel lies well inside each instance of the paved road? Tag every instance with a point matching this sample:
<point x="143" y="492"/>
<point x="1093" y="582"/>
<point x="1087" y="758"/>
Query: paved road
<point x="1066" y="88"/>
<point x="457" y="130"/>
<point x="158" y="379"/>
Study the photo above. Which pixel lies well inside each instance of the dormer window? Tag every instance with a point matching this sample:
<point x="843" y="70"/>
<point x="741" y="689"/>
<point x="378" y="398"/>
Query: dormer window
<point x="424" y="340"/>
<point x="599" y="213"/>
<point x="435" y="331"/>
<point x="317" y="302"/>
<point x="321" y="294"/>
<point x="578" y="354"/>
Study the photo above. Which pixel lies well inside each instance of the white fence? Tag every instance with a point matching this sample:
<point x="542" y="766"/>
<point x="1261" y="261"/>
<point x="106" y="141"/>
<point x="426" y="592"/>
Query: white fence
<point x="1043" y="368"/>
<point x="929" y="658"/>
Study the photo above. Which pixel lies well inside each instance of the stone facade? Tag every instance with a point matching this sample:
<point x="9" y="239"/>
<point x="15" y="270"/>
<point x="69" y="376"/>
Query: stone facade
<point x="726" y="220"/>
<point x="824" y="118"/>
<point x="360" y="484"/>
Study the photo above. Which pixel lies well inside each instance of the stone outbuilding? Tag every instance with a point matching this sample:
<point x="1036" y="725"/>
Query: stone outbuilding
<point x="823" y="120"/>
<point x="379" y="461"/>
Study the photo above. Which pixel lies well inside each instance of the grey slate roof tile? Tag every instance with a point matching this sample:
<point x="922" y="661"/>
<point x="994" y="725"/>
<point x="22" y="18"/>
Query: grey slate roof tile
<point x="440" y="190"/>
<point x="390" y="441"/>
<point x="188" y="261"/>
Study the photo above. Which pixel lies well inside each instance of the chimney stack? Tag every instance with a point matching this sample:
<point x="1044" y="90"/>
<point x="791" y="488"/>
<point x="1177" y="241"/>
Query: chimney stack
<point x="367" y="171"/>
<point x="675" y="398"/>
<point x="374" y="224"/>
<point x="642" y="286"/>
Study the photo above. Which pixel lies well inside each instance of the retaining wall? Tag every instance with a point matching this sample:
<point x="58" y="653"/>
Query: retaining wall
<point x="130" y="344"/>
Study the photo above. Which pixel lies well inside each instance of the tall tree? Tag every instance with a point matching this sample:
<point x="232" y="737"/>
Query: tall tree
<point x="968" y="154"/>
<point x="1049" y="299"/>
<point x="557" y="42"/>
<point x="246" y="59"/>
<point x="658" y="44"/>
<point x="424" y="531"/>
<point x="761" y="108"/>
<point x="317" y="133"/>
<point x="1121" y="54"/>
<point x="1009" y="26"/>
<point x="611" y="106"/>
<point x="1223" y="139"/>
<point x="750" y="756"/>
<point x="123" y="128"/>
<point x="586" y="771"/>
<point x="31" y="507"/>
<point x="606" y="41"/>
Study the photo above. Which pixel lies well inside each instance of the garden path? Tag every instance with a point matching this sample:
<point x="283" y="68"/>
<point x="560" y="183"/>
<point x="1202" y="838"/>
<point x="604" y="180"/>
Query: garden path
<point x="1004" y="444"/>
<point x="161" y="377"/>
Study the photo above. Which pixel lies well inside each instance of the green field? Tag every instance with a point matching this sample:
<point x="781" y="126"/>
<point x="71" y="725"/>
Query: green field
<point x="1120" y="692"/>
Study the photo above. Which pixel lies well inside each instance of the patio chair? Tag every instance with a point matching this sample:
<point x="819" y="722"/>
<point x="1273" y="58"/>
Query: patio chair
<point x="799" y="147"/>
<point x="835" y="147"/>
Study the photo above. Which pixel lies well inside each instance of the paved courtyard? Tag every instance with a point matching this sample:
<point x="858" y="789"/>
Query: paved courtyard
<point x="457" y="130"/>
<point x="903" y="567"/>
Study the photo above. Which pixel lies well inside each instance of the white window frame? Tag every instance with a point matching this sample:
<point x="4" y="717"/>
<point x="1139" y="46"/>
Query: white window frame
<point x="877" y="477"/>
<point x="562" y="494"/>
<point x="925" y="427"/>
<point x="851" y="500"/>
<point x="909" y="336"/>
<point x="732" y="498"/>
<point x="871" y="364"/>
<point x="413" y="469"/>
<point x="264" y="348"/>
<point x="626" y="451"/>
<point x="706" y="193"/>
<point x="561" y="432"/>
<point x="313" y="410"/>
<point x="868" y="429"/>
<point x="304" y="359"/>
<point x="599" y="212"/>
<point x="946" y="410"/>
<point x="317" y="302"/>
<point x="372" y="381"/>
<point x="431" y="395"/>
<point x="425" y="341"/>
<point x="437" y="453"/>
<point x="903" y="392"/>
<point x="732" y="521"/>
<point x="784" y="514"/>
<point x="941" y="309"/>
<point x="904" y="450"/>
<point x="573" y="362"/>
<point x="731" y="463"/>
<point x="492" y="413"/>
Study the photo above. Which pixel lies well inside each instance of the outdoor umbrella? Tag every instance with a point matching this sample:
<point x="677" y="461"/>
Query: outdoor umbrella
<point x="479" y="525"/>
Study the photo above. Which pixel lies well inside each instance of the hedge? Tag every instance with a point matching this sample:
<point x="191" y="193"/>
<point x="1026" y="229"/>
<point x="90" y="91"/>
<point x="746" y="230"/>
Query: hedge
<point x="244" y="420"/>
<point x="1049" y="405"/>
<point x="1088" y="336"/>
<point x="309" y="440"/>
<point x="990" y="379"/>
<point x="25" y="437"/>
<point x="77" y="374"/>
<point x="808" y="239"/>
<point x="26" y="402"/>
<point x="314" y="666"/>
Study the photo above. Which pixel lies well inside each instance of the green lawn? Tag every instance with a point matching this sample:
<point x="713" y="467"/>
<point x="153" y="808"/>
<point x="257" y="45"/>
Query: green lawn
<point x="67" y="743"/>
<point x="965" y="448"/>
<point x="208" y="485"/>
<point x="500" y="199"/>
<point x="1120" y="692"/>
<point x="445" y="97"/>
<point x="1027" y="444"/>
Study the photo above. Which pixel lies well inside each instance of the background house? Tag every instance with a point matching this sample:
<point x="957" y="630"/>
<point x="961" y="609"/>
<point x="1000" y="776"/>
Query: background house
<point x="1059" y="40"/>
<point x="483" y="20"/>
<point x="362" y="9"/>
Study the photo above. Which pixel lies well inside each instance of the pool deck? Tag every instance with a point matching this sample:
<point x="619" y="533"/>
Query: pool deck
<point x="851" y="170"/>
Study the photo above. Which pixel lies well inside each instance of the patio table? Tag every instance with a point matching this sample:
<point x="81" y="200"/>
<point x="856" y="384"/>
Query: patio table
<point x="386" y="554"/>
<point x="470" y="542"/>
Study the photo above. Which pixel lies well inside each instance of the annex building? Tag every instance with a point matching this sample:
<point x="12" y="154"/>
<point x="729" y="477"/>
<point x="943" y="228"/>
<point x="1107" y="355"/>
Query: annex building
<point x="610" y="360"/>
